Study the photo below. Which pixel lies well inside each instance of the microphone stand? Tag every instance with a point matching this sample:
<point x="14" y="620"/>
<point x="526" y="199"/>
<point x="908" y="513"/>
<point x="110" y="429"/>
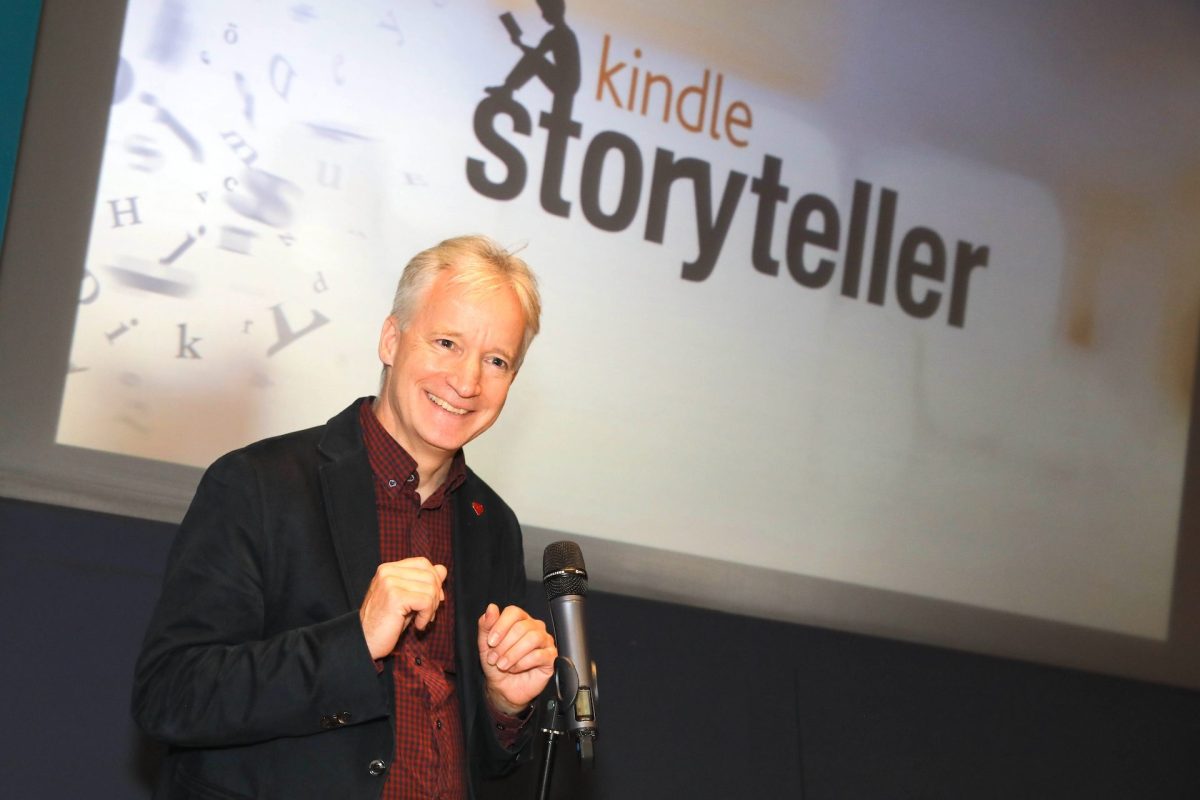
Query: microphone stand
<point x="553" y="724"/>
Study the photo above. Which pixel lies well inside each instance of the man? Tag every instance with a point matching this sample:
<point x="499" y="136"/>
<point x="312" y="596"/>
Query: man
<point x="337" y="613"/>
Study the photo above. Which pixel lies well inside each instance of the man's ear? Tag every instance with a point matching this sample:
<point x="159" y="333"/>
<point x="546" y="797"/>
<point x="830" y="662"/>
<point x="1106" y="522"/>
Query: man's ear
<point x="389" y="335"/>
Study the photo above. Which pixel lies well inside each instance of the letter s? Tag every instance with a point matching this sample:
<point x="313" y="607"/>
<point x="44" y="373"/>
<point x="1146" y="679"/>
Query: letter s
<point x="485" y="131"/>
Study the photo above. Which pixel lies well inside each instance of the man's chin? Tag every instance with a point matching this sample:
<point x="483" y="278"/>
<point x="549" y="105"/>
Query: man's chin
<point x="449" y="432"/>
<point x="448" y="442"/>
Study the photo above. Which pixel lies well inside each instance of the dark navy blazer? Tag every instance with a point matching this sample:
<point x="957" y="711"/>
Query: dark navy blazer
<point x="255" y="670"/>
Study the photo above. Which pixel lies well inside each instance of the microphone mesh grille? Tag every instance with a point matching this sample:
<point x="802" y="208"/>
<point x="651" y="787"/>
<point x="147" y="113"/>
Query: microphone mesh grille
<point x="559" y="556"/>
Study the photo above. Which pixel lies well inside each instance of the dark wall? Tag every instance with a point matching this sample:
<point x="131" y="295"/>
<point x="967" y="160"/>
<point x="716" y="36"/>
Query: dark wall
<point x="692" y="703"/>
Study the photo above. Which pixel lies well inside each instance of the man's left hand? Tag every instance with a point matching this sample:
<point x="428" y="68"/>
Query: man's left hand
<point x="517" y="655"/>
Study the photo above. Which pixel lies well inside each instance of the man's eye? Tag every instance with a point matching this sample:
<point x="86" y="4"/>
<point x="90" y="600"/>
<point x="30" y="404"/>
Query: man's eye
<point x="446" y="343"/>
<point x="498" y="362"/>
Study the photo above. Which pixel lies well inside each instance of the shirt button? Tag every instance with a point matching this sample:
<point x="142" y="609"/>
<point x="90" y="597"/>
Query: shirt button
<point x="392" y="483"/>
<point x="376" y="767"/>
<point x="420" y="661"/>
<point x="439" y="724"/>
<point x="412" y="478"/>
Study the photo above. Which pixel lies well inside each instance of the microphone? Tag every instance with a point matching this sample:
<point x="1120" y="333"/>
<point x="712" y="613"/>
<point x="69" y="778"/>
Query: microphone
<point x="564" y="577"/>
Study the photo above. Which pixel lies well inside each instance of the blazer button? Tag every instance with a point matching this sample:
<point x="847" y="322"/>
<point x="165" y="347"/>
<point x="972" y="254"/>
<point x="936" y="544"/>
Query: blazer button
<point x="343" y="717"/>
<point x="376" y="767"/>
<point x="328" y="721"/>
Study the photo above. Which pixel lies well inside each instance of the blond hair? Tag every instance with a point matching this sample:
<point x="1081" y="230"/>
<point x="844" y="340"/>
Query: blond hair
<point x="480" y="266"/>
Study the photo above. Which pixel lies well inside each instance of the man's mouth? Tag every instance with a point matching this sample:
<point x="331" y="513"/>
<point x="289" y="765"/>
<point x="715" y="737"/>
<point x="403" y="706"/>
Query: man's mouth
<point x="442" y="404"/>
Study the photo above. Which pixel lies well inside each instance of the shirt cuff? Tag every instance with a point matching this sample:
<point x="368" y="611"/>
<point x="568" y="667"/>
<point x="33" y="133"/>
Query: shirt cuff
<point x="509" y="726"/>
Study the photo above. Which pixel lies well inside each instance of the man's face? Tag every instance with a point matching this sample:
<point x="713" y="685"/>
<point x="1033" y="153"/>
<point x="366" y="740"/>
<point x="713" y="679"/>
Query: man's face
<point x="450" y="369"/>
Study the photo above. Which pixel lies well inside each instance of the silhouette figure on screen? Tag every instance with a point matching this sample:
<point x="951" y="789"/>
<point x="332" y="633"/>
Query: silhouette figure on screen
<point x="555" y="60"/>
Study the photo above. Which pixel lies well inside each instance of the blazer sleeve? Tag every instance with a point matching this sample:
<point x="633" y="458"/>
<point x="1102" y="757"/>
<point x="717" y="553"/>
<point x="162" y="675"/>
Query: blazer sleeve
<point x="209" y="673"/>
<point x="495" y="759"/>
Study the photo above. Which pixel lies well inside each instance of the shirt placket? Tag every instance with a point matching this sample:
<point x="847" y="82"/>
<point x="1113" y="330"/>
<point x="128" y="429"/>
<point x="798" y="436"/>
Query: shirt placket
<point x="433" y="678"/>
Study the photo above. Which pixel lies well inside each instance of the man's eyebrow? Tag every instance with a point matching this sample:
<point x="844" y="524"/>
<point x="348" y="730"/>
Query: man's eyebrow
<point x="446" y="334"/>
<point x="503" y="352"/>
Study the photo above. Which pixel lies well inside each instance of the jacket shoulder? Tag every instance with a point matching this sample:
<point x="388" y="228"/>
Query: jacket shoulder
<point x="286" y="446"/>
<point x="303" y="449"/>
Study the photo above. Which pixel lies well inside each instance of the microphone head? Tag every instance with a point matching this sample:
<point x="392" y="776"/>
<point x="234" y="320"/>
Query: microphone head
<point x="563" y="570"/>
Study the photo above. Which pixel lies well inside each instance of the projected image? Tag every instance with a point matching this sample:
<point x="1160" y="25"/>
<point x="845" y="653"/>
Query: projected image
<point x="827" y="309"/>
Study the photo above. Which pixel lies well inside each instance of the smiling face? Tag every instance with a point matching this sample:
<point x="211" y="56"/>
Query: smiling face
<point x="449" y="370"/>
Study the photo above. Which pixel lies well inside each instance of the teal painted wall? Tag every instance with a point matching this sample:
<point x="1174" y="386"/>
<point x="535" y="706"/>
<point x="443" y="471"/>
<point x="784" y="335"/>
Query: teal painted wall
<point x="18" y="32"/>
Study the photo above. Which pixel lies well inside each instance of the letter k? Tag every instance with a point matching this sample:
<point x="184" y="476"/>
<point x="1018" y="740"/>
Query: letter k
<point x="606" y="75"/>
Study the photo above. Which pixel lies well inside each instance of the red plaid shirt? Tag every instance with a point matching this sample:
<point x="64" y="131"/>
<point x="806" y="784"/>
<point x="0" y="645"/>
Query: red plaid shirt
<point x="429" y="760"/>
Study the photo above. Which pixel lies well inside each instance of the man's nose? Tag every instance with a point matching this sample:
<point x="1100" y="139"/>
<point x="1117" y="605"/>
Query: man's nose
<point x="464" y="379"/>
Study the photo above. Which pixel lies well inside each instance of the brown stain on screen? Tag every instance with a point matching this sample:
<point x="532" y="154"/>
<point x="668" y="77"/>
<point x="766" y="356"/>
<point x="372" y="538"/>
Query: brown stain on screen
<point x="1121" y="234"/>
<point x="790" y="46"/>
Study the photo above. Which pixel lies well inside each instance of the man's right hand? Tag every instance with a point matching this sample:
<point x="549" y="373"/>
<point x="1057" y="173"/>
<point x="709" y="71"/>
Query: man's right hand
<point x="401" y="592"/>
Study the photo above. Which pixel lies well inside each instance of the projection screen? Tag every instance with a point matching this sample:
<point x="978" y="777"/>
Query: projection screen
<point x="863" y="316"/>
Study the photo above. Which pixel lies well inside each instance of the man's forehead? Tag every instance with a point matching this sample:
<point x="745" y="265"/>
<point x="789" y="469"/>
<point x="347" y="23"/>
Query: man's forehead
<point x="450" y="306"/>
<point x="451" y="288"/>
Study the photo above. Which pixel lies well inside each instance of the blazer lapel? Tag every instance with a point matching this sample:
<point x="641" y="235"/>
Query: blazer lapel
<point x="472" y="556"/>
<point x="349" y="492"/>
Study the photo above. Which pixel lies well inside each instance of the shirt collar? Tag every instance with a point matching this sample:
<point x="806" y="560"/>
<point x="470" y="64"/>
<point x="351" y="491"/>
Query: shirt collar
<point x="392" y="464"/>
